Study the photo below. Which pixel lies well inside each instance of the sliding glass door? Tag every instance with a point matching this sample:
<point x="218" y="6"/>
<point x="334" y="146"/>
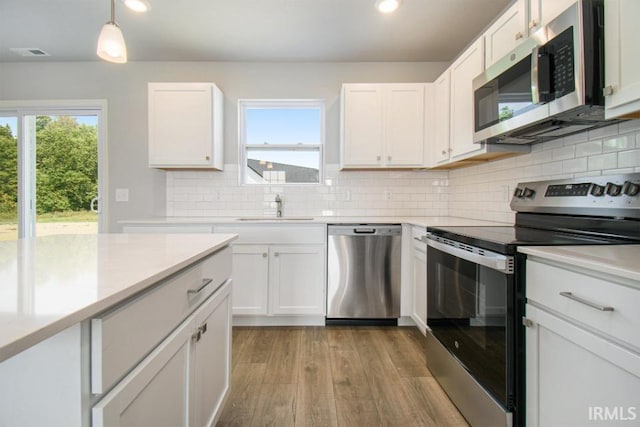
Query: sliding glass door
<point x="50" y="182"/>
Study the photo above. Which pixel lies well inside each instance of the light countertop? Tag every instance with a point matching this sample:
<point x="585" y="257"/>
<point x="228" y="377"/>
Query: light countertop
<point x="617" y="260"/>
<point x="423" y="221"/>
<point x="50" y="283"/>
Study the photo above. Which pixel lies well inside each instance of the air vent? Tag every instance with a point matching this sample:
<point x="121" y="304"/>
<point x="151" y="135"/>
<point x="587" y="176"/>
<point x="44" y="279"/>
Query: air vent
<point x="29" y="51"/>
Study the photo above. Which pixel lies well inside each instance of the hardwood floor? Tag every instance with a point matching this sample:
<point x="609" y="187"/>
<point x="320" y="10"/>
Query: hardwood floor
<point x="334" y="376"/>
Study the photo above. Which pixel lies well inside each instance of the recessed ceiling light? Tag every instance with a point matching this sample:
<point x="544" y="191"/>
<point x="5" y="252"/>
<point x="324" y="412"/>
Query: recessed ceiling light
<point x="387" y="6"/>
<point x="137" y="5"/>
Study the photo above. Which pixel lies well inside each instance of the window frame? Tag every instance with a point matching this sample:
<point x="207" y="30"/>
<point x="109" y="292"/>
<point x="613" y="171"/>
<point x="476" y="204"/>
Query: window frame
<point x="276" y="103"/>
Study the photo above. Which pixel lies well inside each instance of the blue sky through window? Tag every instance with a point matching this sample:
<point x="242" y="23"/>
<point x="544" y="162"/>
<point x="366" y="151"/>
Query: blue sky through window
<point x="270" y="126"/>
<point x="283" y="125"/>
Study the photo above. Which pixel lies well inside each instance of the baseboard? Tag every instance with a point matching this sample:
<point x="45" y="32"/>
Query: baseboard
<point x="278" y="320"/>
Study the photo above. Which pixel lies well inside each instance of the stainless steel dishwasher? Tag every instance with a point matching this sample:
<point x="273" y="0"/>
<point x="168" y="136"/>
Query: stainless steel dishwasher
<point x="363" y="281"/>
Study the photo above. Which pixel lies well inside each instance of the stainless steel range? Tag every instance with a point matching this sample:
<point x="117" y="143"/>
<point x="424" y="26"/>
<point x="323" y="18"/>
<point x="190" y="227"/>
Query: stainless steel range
<point x="476" y="286"/>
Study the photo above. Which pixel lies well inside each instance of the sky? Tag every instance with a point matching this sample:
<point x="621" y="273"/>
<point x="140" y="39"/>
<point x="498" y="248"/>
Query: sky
<point x="284" y="126"/>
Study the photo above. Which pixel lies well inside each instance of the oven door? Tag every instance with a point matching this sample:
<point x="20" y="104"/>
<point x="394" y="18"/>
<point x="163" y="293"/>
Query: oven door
<point x="470" y="310"/>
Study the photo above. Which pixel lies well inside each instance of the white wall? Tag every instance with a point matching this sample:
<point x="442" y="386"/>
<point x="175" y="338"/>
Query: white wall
<point x="484" y="191"/>
<point x="125" y="88"/>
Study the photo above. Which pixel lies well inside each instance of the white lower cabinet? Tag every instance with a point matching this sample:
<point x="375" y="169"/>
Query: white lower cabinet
<point x="278" y="270"/>
<point x="582" y="359"/>
<point x="296" y="276"/>
<point x="184" y="381"/>
<point x="251" y="279"/>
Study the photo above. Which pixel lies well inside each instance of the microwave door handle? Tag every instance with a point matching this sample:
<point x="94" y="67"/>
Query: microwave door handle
<point x="541" y="76"/>
<point x="535" y="82"/>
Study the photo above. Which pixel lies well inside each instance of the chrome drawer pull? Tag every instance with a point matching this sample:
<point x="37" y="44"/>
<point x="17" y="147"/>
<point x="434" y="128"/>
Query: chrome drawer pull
<point x="205" y="282"/>
<point x="585" y="302"/>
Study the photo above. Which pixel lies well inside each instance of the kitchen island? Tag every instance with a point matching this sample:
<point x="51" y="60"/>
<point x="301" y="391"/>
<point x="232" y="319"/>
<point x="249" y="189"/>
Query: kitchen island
<point x="88" y="324"/>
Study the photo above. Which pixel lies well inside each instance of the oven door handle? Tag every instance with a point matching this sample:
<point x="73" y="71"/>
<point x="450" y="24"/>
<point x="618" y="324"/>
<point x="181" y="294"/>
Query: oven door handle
<point x="492" y="260"/>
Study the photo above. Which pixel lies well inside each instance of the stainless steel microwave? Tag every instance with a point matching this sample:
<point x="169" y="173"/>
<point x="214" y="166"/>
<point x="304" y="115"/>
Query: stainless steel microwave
<point x="550" y="86"/>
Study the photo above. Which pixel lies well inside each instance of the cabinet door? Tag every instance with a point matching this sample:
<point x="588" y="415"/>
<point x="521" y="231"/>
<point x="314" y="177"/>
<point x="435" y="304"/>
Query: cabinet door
<point x="211" y="359"/>
<point x="622" y="67"/>
<point x="419" y="280"/>
<point x="592" y="377"/>
<point x="297" y="279"/>
<point x="440" y="148"/>
<point x="362" y="125"/>
<point x="155" y="392"/>
<point x="506" y="33"/>
<point x="463" y="71"/>
<point x="541" y="12"/>
<point x="250" y="279"/>
<point x="404" y="125"/>
<point x="182" y="131"/>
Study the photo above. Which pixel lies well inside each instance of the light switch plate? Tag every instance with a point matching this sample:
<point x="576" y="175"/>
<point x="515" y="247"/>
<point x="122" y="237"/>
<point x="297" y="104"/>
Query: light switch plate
<point x="122" y="194"/>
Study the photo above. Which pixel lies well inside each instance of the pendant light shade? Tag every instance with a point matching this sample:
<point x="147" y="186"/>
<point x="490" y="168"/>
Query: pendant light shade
<point x="111" y="46"/>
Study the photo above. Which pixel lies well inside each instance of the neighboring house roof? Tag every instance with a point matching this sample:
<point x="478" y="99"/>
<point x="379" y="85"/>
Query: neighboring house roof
<point x="292" y="173"/>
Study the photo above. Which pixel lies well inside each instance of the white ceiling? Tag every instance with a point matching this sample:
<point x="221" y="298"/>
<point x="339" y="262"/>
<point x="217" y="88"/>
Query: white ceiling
<point x="248" y="30"/>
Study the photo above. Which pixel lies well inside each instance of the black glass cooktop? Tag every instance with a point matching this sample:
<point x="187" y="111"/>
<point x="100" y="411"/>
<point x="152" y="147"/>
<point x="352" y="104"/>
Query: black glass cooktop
<point x="505" y="239"/>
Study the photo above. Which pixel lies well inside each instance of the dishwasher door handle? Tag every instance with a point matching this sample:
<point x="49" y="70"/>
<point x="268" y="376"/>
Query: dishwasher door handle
<point x="364" y="230"/>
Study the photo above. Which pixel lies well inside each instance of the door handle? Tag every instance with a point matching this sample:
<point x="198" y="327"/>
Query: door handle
<point x="205" y="282"/>
<point x="586" y="302"/>
<point x="94" y="206"/>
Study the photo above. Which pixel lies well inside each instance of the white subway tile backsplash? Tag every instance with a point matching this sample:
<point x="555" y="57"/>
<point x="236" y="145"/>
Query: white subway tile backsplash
<point x="603" y="161"/>
<point x="588" y="148"/>
<point x="619" y="143"/>
<point x="563" y="153"/>
<point x="480" y="192"/>
<point x="605" y="151"/>
<point x="629" y="159"/>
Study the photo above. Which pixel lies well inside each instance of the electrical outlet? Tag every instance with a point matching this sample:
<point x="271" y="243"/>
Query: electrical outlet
<point x="122" y="194"/>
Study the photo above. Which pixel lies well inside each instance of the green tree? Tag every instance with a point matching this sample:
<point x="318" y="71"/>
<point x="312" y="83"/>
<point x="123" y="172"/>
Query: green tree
<point x="66" y="165"/>
<point x="8" y="171"/>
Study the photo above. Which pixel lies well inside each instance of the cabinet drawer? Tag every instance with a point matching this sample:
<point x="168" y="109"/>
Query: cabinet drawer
<point x="546" y="282"/>
<point x="275" y="234"/>
<point x="120" y="338"/>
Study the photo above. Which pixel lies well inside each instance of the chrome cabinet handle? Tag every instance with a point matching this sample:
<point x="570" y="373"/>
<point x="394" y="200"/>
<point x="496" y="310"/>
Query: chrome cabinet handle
<point x="607" y="90"/>
<point x="276" y="254"/>
<point x="205" y="282"/>
<point x="444" y="151"/>
<point x="389" y="158"/>
<point x="207" y="158"/>
<point x="519" y="35"/>
<point x="586" y="302"/>
<point x="379" y="158"/>
<point x="532" y="24"/>
<point x="202" y="329"/>
<point x="264" y="255"/>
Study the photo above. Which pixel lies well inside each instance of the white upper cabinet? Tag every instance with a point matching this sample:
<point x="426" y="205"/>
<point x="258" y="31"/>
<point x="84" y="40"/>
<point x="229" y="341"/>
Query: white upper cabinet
<point x="382" y="125"/>
<point x="185" y="125"/>
<point x="506" y="33"/>
<point x="362" y="127"/>
<point x="543" y="11"/>
<point x="467" y="67"/>
<point x="441" y="99"/>
<point x="622" y="64"/>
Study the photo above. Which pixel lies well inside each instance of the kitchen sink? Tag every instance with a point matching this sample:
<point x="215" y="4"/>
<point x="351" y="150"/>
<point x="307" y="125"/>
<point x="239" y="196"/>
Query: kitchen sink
<point x="273" y="218"/>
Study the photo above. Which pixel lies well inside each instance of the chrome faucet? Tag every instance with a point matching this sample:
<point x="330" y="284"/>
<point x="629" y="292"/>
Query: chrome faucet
<point x="278" y="206"/>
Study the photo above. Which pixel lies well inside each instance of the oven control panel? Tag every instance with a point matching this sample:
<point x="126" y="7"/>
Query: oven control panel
<point x="616" y="196"/>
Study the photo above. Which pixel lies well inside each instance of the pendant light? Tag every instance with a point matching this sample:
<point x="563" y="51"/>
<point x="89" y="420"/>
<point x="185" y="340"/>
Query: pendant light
<point x="111" y="46"/>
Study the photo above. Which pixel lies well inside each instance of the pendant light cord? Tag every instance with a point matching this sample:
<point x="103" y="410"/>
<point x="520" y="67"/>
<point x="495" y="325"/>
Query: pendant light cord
<point x="113" y="11"/>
